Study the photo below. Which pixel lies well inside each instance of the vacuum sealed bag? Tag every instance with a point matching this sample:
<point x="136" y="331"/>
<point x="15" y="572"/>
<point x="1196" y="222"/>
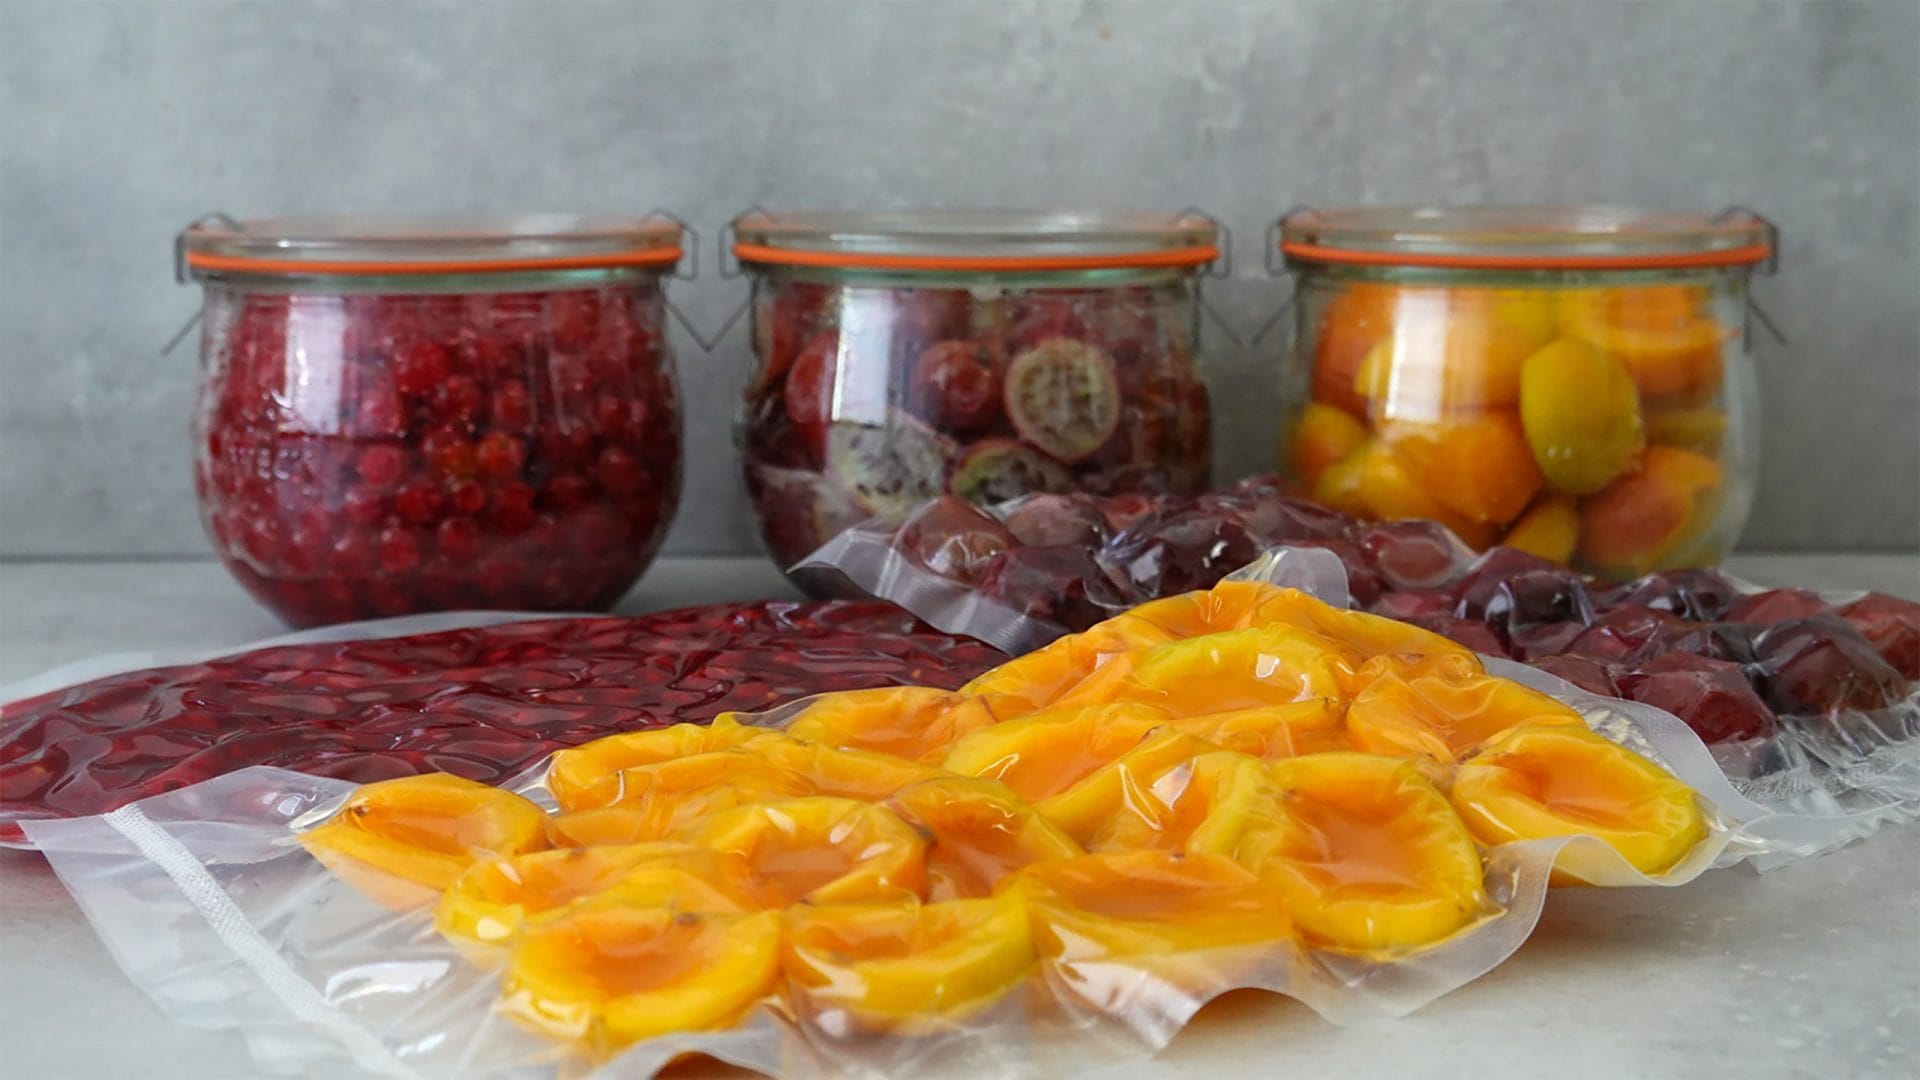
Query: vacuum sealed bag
<point x="1810" y="702"/>
<point x="1056" y="864"/>
<point x="482" y="695"/>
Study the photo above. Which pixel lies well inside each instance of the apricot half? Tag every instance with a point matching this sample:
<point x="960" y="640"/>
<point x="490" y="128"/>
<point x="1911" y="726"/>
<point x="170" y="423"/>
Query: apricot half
<point x="1534" y="783"/>
<point x="1581" y="413"/>
<point x="1113" y="790"/>
<point x="589" y="775"/>
<point x="1453" y="351"/>
<point x="1443" y="715"/>
<point x="666" y="799"/>
<point x="1228" y="605"/>
<point x="425" y="829"/>
<point x="912" y="722"/>
<point x="1368" y="854"/>
<point x="907" y="964"/>
<point x="1644" y="517"/>
<point x="1479" y="467"/>
<point x="846" y="774"/>
<point x="607" y="974"/>
<point x="823" y="850"/>
<point x="1274" y="664"/>
<point x="1549" y="529"/>
<point x="1148" y="905"/>
<point x="1368" y="635"/>
<point x="1273" y="731"/>
<point x="1665" y="335"/>
<point x="1038" y="679"/>
<point x="489" y="903"/>
<point x="1322" y="435"/>
<point x="1357" y="318"/>
<point x="1211" y="796"/>
<point x="977" y="832"/>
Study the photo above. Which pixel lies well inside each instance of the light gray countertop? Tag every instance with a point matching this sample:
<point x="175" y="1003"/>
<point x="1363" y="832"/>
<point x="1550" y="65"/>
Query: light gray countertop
<point x="1809" y="971"/>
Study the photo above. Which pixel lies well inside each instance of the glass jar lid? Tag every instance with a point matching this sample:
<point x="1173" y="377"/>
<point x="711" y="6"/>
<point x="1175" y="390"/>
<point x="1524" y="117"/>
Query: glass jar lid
<point x="1525" y="238"/>
<point x="323" y="246"/>
<point x="963" y="240"/>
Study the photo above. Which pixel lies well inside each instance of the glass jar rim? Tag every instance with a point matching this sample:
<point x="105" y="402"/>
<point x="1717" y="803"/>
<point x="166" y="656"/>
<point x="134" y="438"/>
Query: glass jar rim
<point x="1525" y="238"/>
<point x="981" y="239"/>
<point x="370" y="245"/>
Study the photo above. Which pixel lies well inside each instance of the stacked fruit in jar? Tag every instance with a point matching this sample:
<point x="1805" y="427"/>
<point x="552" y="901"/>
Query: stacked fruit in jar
<point x="869" y="400"/>
<point x="1580" y="424"/>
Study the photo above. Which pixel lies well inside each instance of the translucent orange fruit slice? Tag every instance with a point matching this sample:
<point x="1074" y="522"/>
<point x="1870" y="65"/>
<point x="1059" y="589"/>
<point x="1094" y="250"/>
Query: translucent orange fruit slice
<point x="847" y="774"/>
<point x="425" y="829"/>
<point x="1276" y="731"/>
<point x="1115" y="789"/>
<point x="823" y="850"/>
<point x="1367" y="635"/>
<point x="1199" y="804"/>
<point x="489" y="903"/>
<point x="1535" y="783"/>
<point x="906" y="965"/>
<point x="977" y="832"/>
<point x="606" y="974"/>
<point x="1224" y="672"/>
<point x="665" y="800"/>
<point x="1149" y="906"/>
<point x="1367" y="852"/>
<point x="912" y="722"/>
<point x="589" y="776"/>
<point x="1444" y="715"/>
<point x="1037" y="680"/>
<point x="1048" y="752"/>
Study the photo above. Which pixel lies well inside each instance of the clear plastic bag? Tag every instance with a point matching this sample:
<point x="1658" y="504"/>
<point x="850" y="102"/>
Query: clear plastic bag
<point x="1804" y="711"/>
<point x="210" y="903"/>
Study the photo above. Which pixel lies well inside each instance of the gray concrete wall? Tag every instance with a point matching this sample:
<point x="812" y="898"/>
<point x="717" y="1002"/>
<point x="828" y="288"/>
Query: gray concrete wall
<point x="121" y="121"/>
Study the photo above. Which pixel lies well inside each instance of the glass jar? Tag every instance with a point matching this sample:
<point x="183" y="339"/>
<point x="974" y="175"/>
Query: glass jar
<point x="989" y="354"/>
<point x="1573" y="382"/>
<point x="404" y="416"/>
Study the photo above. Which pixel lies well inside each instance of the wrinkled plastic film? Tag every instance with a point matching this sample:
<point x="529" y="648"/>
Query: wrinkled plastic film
<point x="212" y="906"/>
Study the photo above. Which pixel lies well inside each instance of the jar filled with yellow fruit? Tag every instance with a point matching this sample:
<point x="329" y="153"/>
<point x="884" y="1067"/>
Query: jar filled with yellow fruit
<point x="1573" y="382"/>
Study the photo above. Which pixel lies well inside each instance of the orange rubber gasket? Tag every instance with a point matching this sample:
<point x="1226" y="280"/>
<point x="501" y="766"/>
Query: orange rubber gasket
<point x="201" y="260"/>
<point x="1667" y="260"/>
<point x="760" y="253"/>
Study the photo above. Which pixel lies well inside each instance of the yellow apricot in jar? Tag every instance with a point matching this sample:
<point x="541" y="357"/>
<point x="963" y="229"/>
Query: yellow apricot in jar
<point x="1581" y="414"/>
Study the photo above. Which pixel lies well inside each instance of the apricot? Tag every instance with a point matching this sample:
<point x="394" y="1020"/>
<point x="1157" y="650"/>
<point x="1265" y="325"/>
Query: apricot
<point x="1479" y="467"/>
<point x="1273" y="731"/>
<point x="912" y="722"/>
<point x="1151" y="908"/>
<point x="1228" y="605"/>
<point x="1342" y="485"/>
<point x="1581" y="414"/>
<point x="489" y="903"/>
<point x="1699" y="430"/>
<point x="907" y="965"/>
<point x="1444" y="715"/>
<point x="1354" y="320"/>
<point x="822" y="850"/>
<point x="1366" y="634"/>
<point x="846" y="774"/>
<point x="1633" y="525"/>
<point x="589" y="776"/>
<point x="1035" y="681"/>
<point x="1539" y="782"/>
<point x="1366" y="851"/>
<point x="1550" y="529"/>
<point x="604" y="975"/>
<point x="424" y="829"/>
<point x="1048" y="752"/>
<point x="1665" y="335"/>
<point x="1197" y="804"/>
<point x="1389" y="488"/>
<point x="663" y="800"/>
<point x="1322" y="435"/>
<point x="1453" y="351"/>
<point x="1274" y="664"/>
<point x="977" y="832"/>
<point x="1082" y="810"/>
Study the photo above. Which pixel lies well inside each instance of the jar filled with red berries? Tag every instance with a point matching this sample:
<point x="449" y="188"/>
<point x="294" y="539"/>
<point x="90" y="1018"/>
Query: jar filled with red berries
<point x="984" y="354"/>
<point x="404" y="416"/>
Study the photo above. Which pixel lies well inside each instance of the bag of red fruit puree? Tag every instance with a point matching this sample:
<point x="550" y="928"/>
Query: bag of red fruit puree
<point x="1809" y="702"/>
